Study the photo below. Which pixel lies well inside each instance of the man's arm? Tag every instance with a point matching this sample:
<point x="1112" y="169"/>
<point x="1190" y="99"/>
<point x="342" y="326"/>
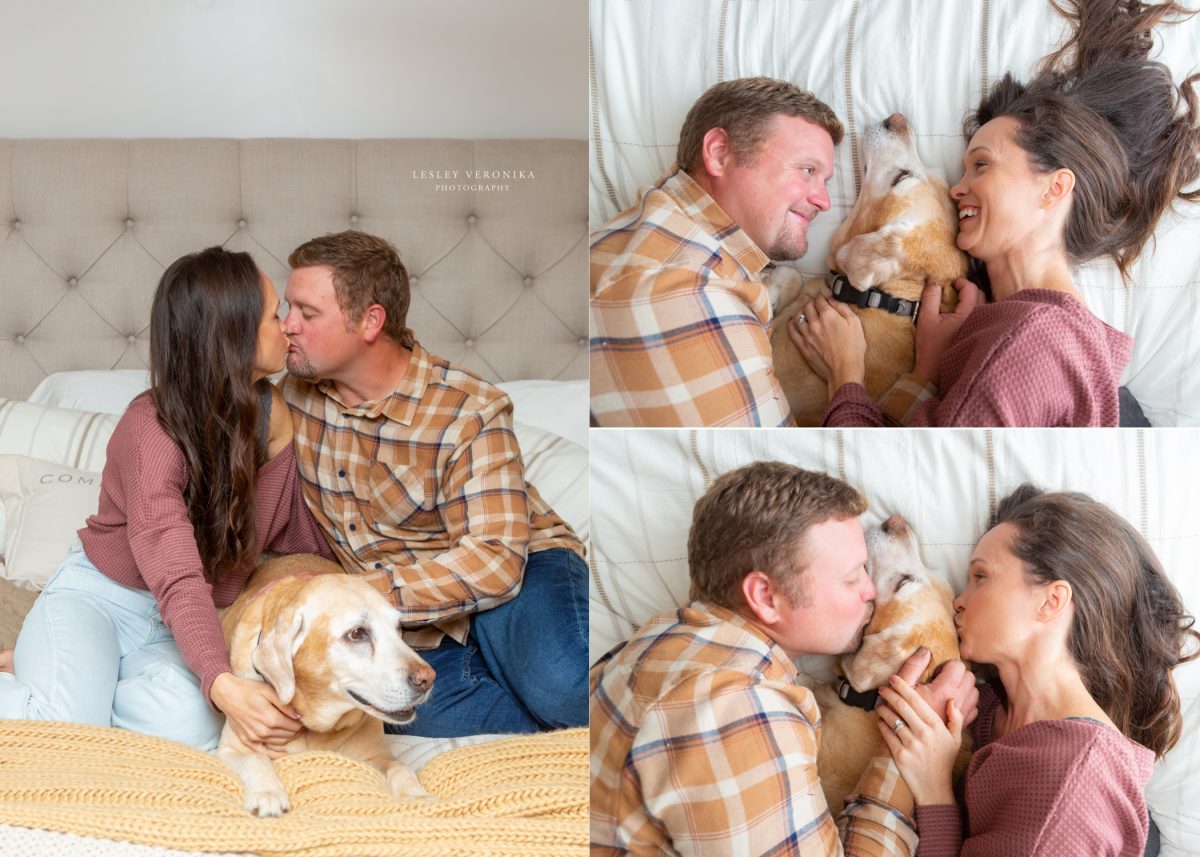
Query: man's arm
<point x="484" y="509"/>
<point x="680" y="347"/>
<point x="732" y="769"/>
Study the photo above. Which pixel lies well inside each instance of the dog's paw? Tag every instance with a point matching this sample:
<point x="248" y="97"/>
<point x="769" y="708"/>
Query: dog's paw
<point x="405" y="786"/>
<point x="266" y="803"/>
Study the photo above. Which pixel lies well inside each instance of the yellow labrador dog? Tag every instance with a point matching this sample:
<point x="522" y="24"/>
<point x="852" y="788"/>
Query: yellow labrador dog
<point x="898" y="238"/>
<point x="913" y="608"/>
<point x="330" y="645"/>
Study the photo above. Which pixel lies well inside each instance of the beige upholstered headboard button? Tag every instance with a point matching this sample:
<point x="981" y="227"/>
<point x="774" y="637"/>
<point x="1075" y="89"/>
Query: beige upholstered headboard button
<point x="493" y="232"/>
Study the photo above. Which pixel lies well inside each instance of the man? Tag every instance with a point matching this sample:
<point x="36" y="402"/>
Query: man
<point x="411" y="466"/>
<point x="702" y="741"/>
<point x="679" y="308"/>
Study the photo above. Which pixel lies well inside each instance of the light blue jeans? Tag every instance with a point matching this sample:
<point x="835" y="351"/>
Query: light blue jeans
<point x="94" y="651"/>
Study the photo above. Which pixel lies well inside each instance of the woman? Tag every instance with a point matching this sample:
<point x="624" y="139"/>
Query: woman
<point x="1073" y="609"/>
<point x="1077" y="164"/>
<point x="200" y="478"/>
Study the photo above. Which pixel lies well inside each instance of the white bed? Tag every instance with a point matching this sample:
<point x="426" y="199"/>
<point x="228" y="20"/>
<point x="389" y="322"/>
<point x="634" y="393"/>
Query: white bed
<point x="931" y="60"/>
<point x="945" y="482"/>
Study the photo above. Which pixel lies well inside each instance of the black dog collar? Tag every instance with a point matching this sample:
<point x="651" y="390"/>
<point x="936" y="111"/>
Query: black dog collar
<point x="847" y="694"/>
<point x="872" y="298"/>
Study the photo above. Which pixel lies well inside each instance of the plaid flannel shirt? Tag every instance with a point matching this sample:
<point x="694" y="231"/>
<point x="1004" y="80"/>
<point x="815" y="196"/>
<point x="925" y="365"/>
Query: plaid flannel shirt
<point x="680" y="315"/>
<point x="423" y="493"/>
<point x="703" y="743"/>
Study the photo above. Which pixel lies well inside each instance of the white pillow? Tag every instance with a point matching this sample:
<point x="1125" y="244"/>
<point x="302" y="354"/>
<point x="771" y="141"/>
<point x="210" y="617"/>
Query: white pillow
<point x="45" y="504"/>
<point x="108" y="391"/>
<point x="560" y="407"/>
<point x="558" y="469"/>
<point x="557" y="406"/>
<point x="75" y="438"/>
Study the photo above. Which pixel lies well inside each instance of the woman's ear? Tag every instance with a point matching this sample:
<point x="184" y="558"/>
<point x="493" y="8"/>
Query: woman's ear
<point x="1059" y="187"/>
<point x="1056" y="599"/>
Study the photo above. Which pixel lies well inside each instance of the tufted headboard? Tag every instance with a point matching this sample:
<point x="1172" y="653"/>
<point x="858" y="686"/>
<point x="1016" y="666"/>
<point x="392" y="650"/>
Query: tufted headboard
<point x="493" y="233"/>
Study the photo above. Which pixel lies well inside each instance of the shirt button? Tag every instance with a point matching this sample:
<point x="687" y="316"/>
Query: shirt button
<point x="379" y="565"/>
<point x="353" y="528"/>
<point x="341" y="473"/>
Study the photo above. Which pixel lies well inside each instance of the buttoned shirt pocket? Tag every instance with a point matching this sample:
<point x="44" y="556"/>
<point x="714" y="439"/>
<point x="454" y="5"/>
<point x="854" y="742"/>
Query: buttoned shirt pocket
<point x="403" y="502"/>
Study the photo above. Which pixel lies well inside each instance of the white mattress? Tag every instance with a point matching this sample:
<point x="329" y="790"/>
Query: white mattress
<point x="945" y="483"/>
<point x="929" y="59"/>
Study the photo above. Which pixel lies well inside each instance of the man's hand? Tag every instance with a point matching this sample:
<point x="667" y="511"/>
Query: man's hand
<point x="935" y="329"/>
<point x="259" y="719"/>
<point x="6" y="660"/>
<point x="953" y="682"/>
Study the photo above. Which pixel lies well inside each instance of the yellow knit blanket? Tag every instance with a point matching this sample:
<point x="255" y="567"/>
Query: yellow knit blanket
<point x="524" y="796"/>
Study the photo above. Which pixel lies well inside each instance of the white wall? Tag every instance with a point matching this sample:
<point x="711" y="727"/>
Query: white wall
<point x="293" y="68"/>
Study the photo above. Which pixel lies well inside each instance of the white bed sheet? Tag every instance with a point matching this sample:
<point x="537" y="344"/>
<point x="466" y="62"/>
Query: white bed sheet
<point x="929" y="59"/>
<point x="944" y="482"/>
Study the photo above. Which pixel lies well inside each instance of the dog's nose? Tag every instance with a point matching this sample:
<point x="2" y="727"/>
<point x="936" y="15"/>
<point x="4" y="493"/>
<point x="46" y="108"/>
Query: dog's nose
<point x="896" y="122"/>
<point x="895" y="526"/>
<point x="422" y="678"/>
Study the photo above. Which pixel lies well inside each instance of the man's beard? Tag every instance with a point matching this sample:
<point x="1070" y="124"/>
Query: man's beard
<point x="299" y="367"/>
<point x="787" y="247"/>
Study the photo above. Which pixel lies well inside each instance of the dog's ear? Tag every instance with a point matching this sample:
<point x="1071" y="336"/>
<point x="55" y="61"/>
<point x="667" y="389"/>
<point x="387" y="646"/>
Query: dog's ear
<point x="871" y="259"/>
<point x="272" y="655"/>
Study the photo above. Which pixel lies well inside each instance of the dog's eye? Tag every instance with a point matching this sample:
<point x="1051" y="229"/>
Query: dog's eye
<point x="901" y="176"/>
<point x="904" y="578"/>
<point x="358" y="635"/>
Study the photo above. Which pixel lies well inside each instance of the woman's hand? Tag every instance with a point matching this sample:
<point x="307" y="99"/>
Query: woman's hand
<point x="831" y="341"/>
<point x="258" y="718"/>
<point x="6" y="661"/>
<point x="924" y="747"/>
<point x="936" y="329"/>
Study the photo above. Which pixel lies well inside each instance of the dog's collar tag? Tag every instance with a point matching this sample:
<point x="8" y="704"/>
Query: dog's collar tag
<point x="872" y="298"/>
<point x="847" y="694"/>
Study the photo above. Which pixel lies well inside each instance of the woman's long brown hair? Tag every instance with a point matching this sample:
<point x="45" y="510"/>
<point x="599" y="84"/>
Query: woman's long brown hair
<point x="1130" y="627"/>
<point x="1101" y="108"/>
<point x="203" y="339"/>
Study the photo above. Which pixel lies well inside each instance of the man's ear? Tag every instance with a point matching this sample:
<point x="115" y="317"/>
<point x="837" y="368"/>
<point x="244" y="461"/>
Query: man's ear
<point x="272" y="655"/>
<point x="762" y="596"/>
<point x="716" y="153"/>
<point x="373" y="321"/>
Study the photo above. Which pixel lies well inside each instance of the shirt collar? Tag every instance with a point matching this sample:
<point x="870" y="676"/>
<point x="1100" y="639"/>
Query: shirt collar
<point x="702" y="208"/>
<point x="724" y="614"/>
<point x="402" y="404"/>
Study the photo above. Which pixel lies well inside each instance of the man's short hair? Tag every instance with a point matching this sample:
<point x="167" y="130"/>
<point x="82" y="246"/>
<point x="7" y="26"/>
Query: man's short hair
<point x="744" y="107"/>
<point x="755" y="518"/>
<point x="366" y="270"/>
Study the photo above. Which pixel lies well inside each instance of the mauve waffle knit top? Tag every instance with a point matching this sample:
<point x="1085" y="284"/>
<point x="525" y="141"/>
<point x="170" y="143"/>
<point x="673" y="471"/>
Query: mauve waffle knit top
<point x="1053" y="788"/>
<point x="1037" y="358"/>
<point x="142" y="537"/>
